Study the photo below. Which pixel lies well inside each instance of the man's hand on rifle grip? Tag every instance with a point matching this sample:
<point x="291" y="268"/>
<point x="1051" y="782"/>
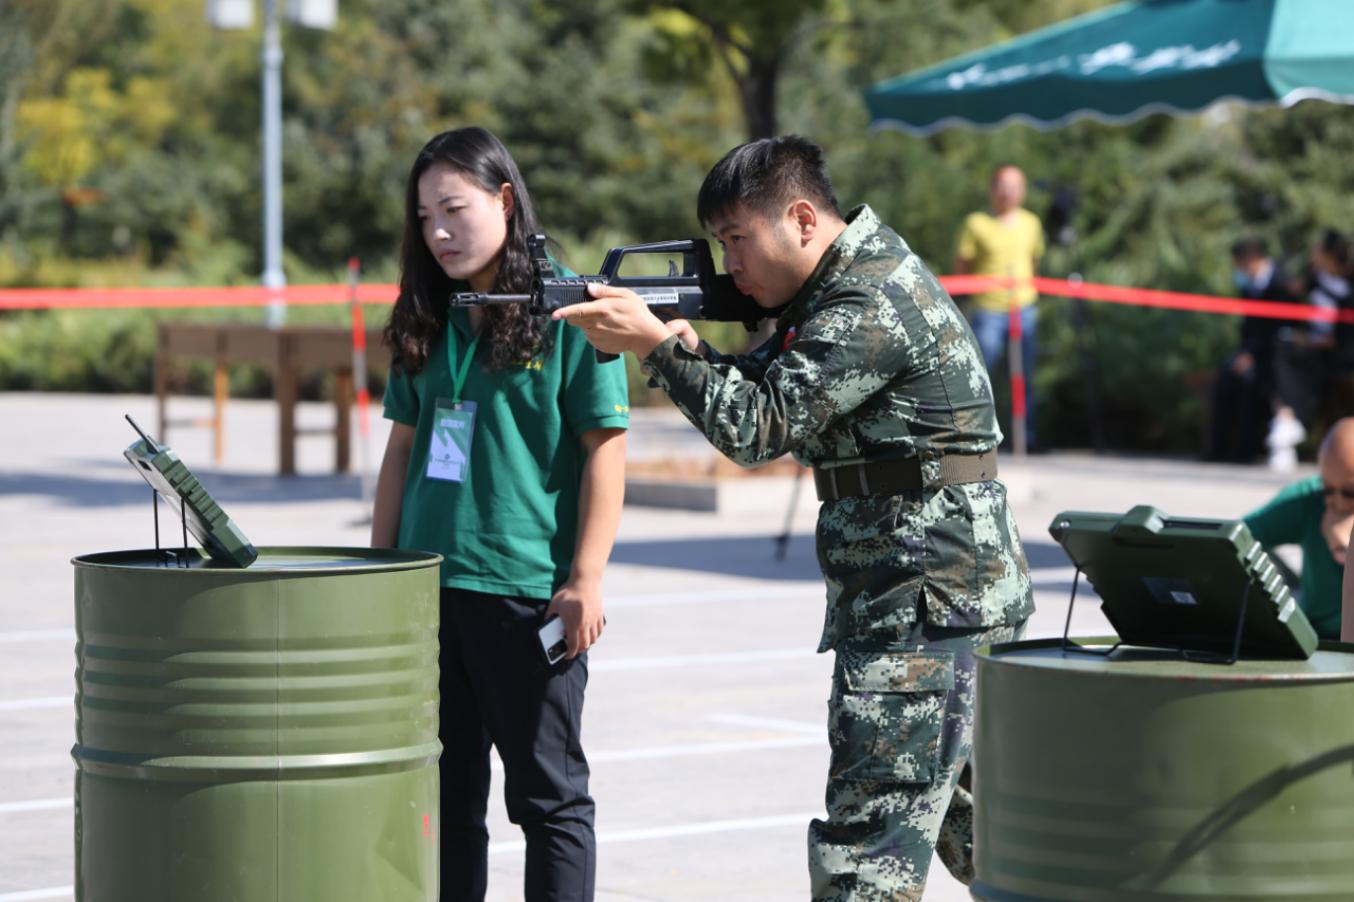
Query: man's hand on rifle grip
<point x="615" y="321"/>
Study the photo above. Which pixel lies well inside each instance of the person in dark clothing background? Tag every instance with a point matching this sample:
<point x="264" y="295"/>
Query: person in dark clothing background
<point x="1309" y="358"/>
<point x="1241" y="396"/>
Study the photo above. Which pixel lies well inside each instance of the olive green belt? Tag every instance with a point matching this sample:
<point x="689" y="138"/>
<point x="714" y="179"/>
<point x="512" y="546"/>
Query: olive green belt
<point x="890" y="477"/>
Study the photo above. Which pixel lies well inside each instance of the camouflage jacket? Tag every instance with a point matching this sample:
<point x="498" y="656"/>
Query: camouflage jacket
<point x="872" y="360"/>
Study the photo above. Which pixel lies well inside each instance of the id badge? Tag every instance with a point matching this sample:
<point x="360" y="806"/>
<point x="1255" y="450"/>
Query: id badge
<point x="449" y="447"/>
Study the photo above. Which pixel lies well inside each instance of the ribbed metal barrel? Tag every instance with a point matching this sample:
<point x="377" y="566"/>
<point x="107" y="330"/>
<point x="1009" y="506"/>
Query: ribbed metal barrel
<point x="1148" y="778"/>
<point x="257" y="735"/>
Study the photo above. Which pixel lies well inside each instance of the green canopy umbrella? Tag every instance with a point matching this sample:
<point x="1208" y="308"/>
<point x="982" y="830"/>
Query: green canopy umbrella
<point x="1132" y="59"/>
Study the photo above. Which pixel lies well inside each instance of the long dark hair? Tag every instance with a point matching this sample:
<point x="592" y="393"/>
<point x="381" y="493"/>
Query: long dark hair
<point x="420" y="312"/>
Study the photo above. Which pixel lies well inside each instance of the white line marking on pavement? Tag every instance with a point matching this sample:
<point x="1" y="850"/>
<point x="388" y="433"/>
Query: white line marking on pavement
<point x="673" y="830"/>
<point x="688" y="750"/>
<point x="769" y="723"/>
<point x="56" y="892"/>
<point x="707" y="748"/>
<point x="36" y="805"/>
<point x="778" y="593"/>
<point x="39" y="636"/>
<point x="1053" y="575"/>
<point x="658" y="662"/>
<point x="28" y="704"/>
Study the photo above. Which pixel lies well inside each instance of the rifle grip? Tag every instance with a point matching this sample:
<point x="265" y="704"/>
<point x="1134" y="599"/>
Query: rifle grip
<point x="603" y="356"/>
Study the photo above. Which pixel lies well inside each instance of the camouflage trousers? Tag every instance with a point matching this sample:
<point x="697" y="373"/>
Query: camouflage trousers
<point x="900" y="724"/>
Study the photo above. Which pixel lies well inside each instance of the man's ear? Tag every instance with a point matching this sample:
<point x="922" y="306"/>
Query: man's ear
<point x="509" y="201"/>
<point x="804" y="219"/>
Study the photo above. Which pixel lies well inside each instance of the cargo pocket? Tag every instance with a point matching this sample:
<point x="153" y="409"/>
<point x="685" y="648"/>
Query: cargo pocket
<point x="953" y="560"/>
<point x="886" y="715"/>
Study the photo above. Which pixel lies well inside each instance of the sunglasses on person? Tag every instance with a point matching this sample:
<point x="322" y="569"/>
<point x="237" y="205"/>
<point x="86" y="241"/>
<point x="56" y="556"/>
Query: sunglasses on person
<point x="1330" y="491"/>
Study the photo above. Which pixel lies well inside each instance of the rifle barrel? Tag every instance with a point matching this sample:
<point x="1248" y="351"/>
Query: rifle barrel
<point x="474" y="299"/>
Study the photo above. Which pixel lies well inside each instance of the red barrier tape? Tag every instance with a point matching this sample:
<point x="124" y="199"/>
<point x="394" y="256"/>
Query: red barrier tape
<point x="1147" y="297"/>
<point x="236" y="296"/>
<point x="312" y="295"/>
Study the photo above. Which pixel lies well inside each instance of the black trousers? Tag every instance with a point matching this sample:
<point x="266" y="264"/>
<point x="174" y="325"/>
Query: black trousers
<point x="1300" y="377"/>
<point x="1241" y="410"/>
<point x="497" y="690"/>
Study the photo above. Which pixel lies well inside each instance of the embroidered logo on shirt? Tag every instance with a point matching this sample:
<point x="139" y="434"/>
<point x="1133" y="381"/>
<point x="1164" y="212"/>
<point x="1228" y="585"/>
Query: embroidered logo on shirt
<point x="621" y="408"/>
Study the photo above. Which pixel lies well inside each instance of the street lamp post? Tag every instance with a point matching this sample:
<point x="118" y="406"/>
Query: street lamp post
<point x="238" y="14"/>
<point x="274" y="278"/>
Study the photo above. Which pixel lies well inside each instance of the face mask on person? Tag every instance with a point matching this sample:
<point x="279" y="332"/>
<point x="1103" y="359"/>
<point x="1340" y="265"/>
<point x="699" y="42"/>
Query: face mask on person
<point x="1241" y="279"/>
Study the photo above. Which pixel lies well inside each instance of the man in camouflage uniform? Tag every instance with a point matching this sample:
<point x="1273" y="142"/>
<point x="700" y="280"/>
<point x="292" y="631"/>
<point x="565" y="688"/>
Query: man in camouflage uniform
<point x="874" y="379"/>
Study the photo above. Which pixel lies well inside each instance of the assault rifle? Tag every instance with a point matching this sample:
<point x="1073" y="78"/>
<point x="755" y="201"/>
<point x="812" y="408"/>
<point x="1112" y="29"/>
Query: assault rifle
<point x="697" y="292"/>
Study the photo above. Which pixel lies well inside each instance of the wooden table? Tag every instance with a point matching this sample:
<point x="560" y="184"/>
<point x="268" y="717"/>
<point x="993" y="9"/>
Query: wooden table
<point x="287" y="354"/>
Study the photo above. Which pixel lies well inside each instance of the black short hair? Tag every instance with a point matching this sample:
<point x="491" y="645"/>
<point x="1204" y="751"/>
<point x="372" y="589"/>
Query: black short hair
<point x="765" y="175"/>
<point x="1249" y="248"/>
<point x="1336" y="245"/>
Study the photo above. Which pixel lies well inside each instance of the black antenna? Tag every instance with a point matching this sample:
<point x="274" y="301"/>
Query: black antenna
<point x="150" y="442"/>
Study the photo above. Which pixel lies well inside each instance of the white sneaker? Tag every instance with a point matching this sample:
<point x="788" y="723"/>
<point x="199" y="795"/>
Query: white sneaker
<point x="1283" y="460"/>
<point x="1285" y="431"/>
<point x="1285" y="434"/>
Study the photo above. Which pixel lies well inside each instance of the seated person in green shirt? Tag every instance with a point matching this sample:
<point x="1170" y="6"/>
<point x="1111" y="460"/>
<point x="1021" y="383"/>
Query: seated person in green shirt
<point x="507" y="457"/>
<point x="1316" y="513"/>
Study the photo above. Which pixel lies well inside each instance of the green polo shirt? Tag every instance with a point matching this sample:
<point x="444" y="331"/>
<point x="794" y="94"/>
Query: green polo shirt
<point x="511" y="527"/>
<point x="1293" y="517"/>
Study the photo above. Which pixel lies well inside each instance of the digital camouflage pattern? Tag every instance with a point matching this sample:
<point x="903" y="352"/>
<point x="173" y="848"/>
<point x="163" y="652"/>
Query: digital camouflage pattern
<point x="873" y="361"/>
<point x="900" y="725"/>
<point x="870" y="361"/>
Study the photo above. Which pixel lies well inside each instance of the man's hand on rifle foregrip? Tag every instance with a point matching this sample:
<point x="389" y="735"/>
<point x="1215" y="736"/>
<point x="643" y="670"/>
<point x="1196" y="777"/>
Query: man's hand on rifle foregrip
<point x="616" y="320"/>
<point x="685" y="331"/>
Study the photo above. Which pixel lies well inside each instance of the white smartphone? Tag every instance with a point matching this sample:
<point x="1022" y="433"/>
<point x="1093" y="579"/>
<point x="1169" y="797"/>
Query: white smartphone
<point x="553" y="643"/>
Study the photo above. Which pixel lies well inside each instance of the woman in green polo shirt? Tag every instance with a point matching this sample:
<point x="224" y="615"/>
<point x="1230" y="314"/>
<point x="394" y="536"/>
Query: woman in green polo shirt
<point x="506" y="456"/>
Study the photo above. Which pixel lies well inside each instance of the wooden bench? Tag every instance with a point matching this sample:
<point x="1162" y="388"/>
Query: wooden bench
<point x="286" y="354"/>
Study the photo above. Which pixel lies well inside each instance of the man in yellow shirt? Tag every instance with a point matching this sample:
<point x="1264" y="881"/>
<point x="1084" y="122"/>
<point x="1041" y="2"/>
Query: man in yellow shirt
<point x="1006" y="242"/>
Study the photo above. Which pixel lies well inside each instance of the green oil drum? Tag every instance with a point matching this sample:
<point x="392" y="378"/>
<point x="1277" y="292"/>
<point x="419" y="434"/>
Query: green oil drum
<point x="266" y="734"/>
<point x="1149" y="778"/>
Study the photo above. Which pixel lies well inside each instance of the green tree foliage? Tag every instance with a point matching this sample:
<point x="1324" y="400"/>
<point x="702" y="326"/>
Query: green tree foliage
<point x="129" y="153"/>
<point x="751" y="43"/>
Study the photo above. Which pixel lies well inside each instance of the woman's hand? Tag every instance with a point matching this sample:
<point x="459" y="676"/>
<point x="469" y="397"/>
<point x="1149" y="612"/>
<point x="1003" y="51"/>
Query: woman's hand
<point x="579" y="604"/>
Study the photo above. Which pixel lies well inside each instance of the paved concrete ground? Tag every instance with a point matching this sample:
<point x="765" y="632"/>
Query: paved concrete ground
<point x="705" y="721"/>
